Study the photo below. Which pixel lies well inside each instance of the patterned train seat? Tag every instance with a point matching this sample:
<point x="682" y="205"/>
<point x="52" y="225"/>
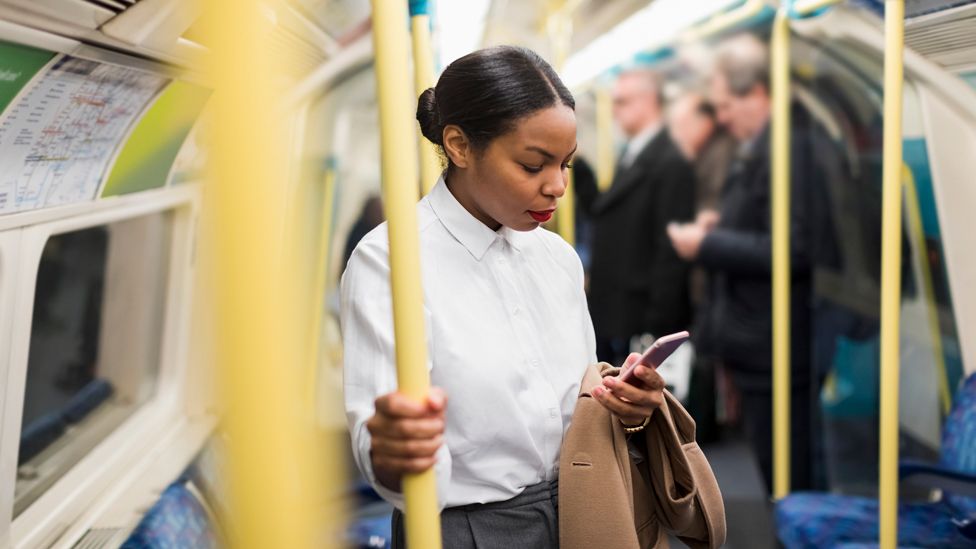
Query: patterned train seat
<point x="815" y="520"/>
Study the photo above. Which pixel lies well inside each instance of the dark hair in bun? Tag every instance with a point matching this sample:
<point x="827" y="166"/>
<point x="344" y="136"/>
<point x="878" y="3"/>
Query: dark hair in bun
<point x="427" y="115"/>
<point x="486" y="92"/>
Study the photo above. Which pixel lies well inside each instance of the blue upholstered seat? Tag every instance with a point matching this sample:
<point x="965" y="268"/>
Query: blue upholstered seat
<point x="816" y="520"/>
<point x="176" y="521"/>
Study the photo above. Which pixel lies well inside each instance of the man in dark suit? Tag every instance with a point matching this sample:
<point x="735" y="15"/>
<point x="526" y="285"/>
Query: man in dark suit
<point x="737" y="253"/>
<point x="638" y="284"/>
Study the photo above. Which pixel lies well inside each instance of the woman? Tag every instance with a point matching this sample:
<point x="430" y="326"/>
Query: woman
<point x="507" y="321"/>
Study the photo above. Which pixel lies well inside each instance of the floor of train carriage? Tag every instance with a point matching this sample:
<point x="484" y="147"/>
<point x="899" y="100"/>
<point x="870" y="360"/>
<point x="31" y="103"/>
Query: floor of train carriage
<point x="748" y="512"/>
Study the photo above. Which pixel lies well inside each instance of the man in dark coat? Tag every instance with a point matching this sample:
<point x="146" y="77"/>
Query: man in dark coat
<point x="638" y="284"/>
<point x="737" y="253"/>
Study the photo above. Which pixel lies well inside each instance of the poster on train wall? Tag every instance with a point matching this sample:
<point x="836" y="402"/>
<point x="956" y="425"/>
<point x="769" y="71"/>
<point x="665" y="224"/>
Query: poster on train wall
<point x="147" y="158"/>
<point x="59" y="136"/>
<point x="18" y="64"/>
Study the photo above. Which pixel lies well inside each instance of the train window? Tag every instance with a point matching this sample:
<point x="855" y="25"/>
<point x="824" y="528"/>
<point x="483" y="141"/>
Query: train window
<point x="94" y="346"/>
<point x="846" y="340"/>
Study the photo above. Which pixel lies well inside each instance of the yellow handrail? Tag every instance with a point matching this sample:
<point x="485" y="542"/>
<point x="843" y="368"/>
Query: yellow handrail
<point x="399" y="171"/>
<point x="423" y="76"/>
<point x="566" y="218"/>
<point x="559" y="25"/>
<point x="319" y="281"/>
<point x="558" y="9"/>
<point x="604" y="138"/>
<point x="891" y="230"/>
<point x="780" y="203"/>
<point x="724" y="21"/>
<point x="274" y="466"/>
<point x="804" y="7"/>
<point x="917" y="232"/>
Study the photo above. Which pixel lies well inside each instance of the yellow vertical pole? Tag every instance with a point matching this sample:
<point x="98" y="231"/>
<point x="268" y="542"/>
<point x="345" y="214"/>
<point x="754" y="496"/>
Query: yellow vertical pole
<point x="423" y="76"/>
<point x="274" y="466"/>
<point x="399" y="170"/>
<point x="891" y="231"/>
<point x="780" y="195"/>
<point x="560" y="28"/>
<point x="604" y="138"/>
<point x="566" y="220"/>
<point x="320" y="280"/>
<point x="914" y="217"/>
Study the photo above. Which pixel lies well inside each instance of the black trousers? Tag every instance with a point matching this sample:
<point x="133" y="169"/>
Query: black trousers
<point x="805" y="433"/>
<point x="530" y="519"/>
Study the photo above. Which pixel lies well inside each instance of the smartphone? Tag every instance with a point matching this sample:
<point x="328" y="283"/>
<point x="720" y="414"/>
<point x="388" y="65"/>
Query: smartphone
<point x="654" y="356"/>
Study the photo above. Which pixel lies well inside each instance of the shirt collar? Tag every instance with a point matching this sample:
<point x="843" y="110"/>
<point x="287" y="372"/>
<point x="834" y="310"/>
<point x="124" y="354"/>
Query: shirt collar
<point x="513" y="237"/>
<point x="747" y="148"/>
<point x="474" y="235"/>
<point x="639" y="141"/>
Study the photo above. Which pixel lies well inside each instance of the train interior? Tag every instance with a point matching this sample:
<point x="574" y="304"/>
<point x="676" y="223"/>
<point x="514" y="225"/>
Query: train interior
<point x="109" y="414"/>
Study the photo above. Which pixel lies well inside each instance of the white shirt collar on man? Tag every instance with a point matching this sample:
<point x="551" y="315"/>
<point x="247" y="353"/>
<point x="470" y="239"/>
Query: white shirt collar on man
<point x="508" y="337"/>
<point x="638" y="142"/>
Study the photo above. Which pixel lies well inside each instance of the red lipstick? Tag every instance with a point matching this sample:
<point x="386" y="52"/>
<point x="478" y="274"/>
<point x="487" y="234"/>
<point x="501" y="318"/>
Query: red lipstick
<point x="542" y="216"/>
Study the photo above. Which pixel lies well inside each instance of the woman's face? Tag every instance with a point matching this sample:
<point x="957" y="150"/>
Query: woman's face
<point x="517" y="179"/>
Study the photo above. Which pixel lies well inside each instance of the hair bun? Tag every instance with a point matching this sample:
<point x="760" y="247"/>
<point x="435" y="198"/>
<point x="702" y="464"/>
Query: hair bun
<point x="429" y="118"/>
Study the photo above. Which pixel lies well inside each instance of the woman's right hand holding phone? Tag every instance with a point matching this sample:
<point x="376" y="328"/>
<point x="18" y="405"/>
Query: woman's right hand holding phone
<point x="406" y="435"/>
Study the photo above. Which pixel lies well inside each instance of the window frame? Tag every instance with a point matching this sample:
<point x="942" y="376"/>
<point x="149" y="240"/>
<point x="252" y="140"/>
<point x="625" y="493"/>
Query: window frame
<point x="70" y="496"/>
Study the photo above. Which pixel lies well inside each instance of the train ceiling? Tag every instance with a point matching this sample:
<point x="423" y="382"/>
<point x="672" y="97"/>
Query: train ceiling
<point x="315" y="30"/>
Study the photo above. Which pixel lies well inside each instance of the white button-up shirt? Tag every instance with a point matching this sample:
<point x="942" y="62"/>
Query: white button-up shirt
<point x="509" y="337"/>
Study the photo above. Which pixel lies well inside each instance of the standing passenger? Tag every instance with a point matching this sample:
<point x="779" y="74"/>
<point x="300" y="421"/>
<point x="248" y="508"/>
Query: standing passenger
<point x="706" y="144"/>
<point x="509" y="334"/>
<point x="737" y="251"/>
<point x="369" y="217"/>
<point x="638" y="284"/>
<point x="710" y="149"/>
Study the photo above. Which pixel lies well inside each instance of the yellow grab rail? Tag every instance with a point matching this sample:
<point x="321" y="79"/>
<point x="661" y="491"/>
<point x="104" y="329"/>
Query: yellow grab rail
<point x="804" y="7"/>
<point x="559" y="25"/>
<point x="566" y="218"/>
<point x="891" y="242"/>
<point x="780" y="205"/>
<point x="320" y="281"/>
<point x="604" y="138"/>
<point x="780" y="182"/>
<point x="274" y="465"/>
<point x="724" y="21"/>
<point x="780" y="122"/>
<point x="423" y="77"/>
<point x="914" y="217"/>
<point x="399" y="171"/>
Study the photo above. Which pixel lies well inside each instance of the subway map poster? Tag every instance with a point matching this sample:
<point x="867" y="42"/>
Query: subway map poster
<point x="61" y="133"/>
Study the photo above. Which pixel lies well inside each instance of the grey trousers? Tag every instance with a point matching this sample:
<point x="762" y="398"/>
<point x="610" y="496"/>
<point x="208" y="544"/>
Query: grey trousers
<point x="529" y="520"/>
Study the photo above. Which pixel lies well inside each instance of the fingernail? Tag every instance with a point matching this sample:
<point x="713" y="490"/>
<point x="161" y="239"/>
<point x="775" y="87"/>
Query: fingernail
<point x="598" y="391"/>
<point x="609" y="381"/>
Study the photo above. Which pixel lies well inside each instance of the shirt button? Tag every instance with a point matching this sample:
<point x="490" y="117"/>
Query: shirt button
<point x="534" y="362"/>
<point x="553" y="413"/>
<point x="516" y="310"/>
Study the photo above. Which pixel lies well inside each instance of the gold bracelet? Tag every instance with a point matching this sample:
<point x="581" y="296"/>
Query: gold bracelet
<point x="636" y="428"/>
